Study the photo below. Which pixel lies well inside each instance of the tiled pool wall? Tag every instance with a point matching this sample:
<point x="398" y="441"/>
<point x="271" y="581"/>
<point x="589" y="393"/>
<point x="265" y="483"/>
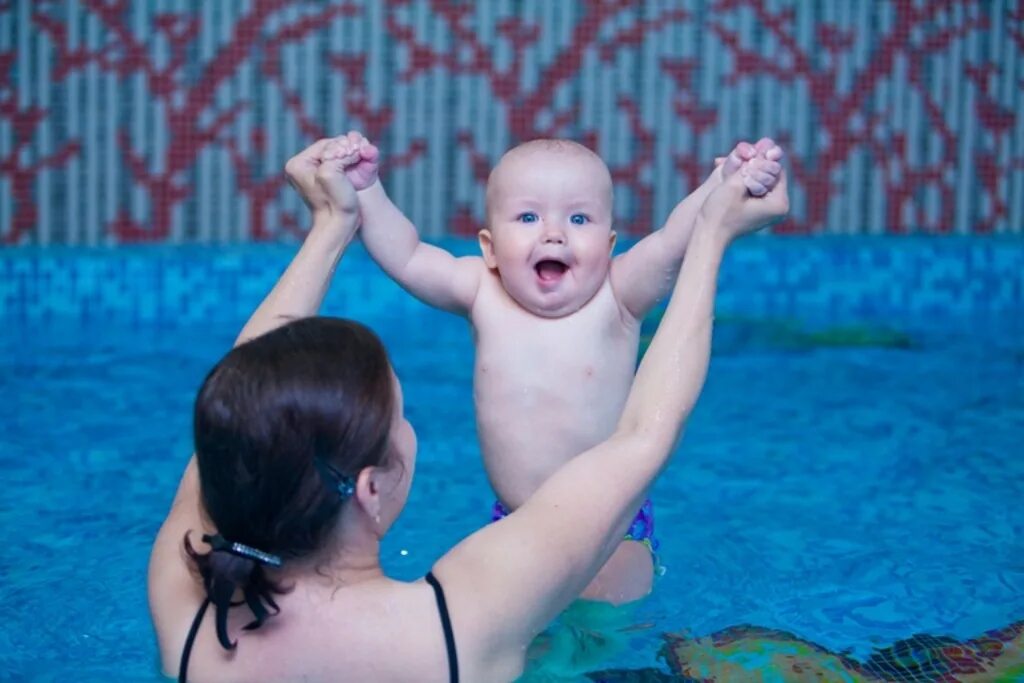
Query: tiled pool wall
<point x="846" y="278"/>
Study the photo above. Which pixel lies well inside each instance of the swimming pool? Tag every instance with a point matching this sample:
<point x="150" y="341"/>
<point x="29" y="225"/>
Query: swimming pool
<point x="851" y="477"/>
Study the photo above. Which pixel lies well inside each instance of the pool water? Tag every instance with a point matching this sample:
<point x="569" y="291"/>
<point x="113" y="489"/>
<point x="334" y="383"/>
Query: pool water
<point x="827" y="501"/>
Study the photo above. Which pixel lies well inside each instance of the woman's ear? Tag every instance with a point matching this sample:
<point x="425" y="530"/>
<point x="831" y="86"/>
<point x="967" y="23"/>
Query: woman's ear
<point x="368" y="491"/>
<point x="487" y="248"/>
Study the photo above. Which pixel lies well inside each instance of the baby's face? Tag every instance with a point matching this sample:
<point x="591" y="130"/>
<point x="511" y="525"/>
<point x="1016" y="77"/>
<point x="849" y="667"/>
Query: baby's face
<point x="549" y="230"/>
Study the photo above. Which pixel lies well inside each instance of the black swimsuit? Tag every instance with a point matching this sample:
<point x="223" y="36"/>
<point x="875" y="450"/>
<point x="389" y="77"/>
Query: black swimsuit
<point x="442" y="609"/>
<point x="446" y="624"/>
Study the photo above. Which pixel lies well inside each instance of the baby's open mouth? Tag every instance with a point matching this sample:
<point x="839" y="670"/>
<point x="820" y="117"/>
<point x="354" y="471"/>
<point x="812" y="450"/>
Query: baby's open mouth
<point x="550" y="270"/>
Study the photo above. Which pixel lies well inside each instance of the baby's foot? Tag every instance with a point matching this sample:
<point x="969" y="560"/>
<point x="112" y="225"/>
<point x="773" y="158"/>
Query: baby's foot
<point x="358" y="156"/>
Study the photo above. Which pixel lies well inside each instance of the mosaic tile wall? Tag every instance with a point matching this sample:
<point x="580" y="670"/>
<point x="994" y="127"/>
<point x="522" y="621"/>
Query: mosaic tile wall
<point x="852" y="278"/>
<point x="170" y="121"/>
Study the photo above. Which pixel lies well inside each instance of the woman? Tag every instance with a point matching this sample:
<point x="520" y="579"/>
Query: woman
<point x="304" y="460"/>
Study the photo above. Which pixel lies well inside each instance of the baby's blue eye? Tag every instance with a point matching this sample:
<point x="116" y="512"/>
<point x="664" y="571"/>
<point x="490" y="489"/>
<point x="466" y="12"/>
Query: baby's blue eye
<point x="578" y="219"/>
<point x="527" y="217"/>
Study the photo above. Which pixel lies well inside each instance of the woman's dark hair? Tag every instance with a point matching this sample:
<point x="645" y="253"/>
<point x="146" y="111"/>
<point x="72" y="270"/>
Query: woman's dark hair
<point x="313" y="389"/>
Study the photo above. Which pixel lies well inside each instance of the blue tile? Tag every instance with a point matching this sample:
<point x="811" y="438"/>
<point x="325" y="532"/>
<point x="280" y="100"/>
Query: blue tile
<point x="825" y="276"/>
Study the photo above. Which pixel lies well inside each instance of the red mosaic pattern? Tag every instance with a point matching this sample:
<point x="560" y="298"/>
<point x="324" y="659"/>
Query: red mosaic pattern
<point x="899" y="116"/>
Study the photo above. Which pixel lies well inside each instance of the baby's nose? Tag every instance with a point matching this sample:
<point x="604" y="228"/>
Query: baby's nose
<point x="554" y="236"/>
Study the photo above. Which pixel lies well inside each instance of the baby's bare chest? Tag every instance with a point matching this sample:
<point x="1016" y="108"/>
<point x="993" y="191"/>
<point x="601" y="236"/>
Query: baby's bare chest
<point x="593" y="346"/>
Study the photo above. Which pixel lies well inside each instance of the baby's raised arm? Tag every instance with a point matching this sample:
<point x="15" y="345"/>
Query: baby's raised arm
<point x="551" y="547"/>
<point x="429" y="273"/>
<point x="643" y="276"/>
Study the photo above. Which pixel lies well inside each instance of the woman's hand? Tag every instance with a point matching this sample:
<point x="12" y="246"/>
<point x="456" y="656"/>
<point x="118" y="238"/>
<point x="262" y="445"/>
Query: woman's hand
<point x="318" y="173"/>
<point x="731" y="210"/>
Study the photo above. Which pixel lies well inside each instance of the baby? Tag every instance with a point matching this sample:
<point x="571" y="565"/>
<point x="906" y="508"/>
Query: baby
<point x="556" y="319"/>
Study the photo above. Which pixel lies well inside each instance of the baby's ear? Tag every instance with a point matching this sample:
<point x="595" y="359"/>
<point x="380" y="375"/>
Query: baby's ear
<point x="611" y="241"/>
<point x="487" y="248"/>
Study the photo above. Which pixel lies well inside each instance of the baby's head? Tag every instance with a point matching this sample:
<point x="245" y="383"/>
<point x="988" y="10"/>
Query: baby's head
<point x="549" y="225"/>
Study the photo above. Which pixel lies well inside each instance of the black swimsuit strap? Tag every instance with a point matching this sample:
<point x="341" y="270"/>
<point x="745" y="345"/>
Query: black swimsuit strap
<point x="190" y="639"/>
<point x="442" y="609"/>
<point x="446" y="624"/>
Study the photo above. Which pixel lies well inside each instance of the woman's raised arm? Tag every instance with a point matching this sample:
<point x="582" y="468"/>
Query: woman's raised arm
<point x="317" y="173"/>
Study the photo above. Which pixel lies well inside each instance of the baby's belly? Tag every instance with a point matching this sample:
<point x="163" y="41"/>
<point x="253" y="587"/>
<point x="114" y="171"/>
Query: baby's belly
<point x="523" y="447"/>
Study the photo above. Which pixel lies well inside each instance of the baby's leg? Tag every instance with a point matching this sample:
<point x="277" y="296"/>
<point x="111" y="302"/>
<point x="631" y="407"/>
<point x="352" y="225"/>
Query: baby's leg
<point x="627" y="575"/>
<point x="585" y="637"/>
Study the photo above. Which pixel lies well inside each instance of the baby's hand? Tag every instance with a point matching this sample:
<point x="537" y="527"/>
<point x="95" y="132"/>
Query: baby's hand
<point x="740" y="154"/>
<point x="362" y="159"/>
<point x="732" y="210"/>
<point x="320" y="175"/>
<point x="761" y="173"/>
<point x="758" y="165"/>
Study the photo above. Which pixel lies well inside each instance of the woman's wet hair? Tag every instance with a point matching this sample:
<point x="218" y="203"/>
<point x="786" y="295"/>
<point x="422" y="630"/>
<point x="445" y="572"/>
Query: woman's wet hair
<point x="282" y="425"/>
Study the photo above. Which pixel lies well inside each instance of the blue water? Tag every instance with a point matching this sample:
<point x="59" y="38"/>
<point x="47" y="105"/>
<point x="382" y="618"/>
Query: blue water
<point x="851" y="497"/>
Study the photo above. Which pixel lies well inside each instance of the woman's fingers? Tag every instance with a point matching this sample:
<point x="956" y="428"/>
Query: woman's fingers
<point x="312" y="155"/>
<point x="301" y="167"/>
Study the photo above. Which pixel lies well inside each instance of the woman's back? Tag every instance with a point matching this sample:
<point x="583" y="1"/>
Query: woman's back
<point x="375" y="630"/>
